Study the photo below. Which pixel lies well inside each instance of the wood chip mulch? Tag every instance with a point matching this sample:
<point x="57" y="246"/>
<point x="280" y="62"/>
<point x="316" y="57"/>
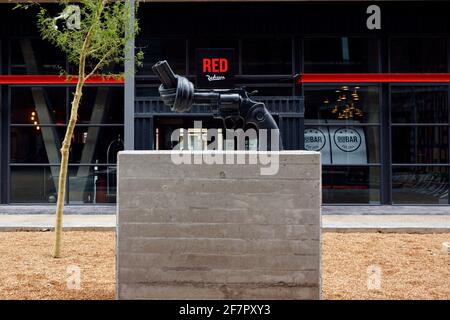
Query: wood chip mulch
<point x="27" y="270"/>
<point x="412" y="266"/>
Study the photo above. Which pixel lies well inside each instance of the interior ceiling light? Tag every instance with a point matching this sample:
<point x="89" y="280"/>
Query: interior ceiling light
<point x="346" y="106"/>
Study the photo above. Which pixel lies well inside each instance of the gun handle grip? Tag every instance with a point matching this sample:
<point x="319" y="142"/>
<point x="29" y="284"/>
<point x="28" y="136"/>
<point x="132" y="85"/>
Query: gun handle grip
<point x="261" y="118"/>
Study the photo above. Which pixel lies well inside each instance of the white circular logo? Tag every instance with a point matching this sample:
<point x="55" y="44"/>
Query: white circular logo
<point x="314" y="139"/>
<point x="347" y="139"/>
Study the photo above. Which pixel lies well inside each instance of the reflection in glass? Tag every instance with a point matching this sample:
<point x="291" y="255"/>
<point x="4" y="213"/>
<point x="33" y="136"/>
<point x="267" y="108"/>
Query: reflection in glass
<point x="420" y="185"/>
<point x="344" y="144"/>
<point x="89" y="144"/>
<point x="147" y="91"/>
<point x="35" y="56"/>
<point x="347" y="104"/>
<point x="101" y="105"/>
<point x="38" y="105"/>
<point x="266" y="91"/>
<point x="34" y="184"/>
<point x="420" y="144"/>
<point x="351" y="184"/>
<point x="267" y="56"/>
<point x="28" y="145"/>
<point x="201" y="139"/>
<point x="335" y="55"/>
<point x="414" y="104"/>
<point x="93" y="144"/>
<point x="172" y="50"/>
<point x="216" y="42"/>
<point x="418" y="55"/>
<point x="92" y="184"/>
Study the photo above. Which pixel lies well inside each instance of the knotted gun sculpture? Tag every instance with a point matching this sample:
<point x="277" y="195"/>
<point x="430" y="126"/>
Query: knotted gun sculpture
<point x="233" y="106"/>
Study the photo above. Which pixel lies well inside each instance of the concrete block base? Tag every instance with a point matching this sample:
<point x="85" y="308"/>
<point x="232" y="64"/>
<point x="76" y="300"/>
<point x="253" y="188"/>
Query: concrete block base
<point x="218" y="231"/>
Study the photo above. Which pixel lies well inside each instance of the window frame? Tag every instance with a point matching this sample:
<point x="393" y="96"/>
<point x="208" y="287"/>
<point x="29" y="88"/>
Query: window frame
<point x="10" y="164"/>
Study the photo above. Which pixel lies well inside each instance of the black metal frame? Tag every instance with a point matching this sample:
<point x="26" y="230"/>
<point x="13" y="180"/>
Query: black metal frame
<point x="416" y="125"/>
<point x="9" y="164"/>
<point x="6" y="125"/>
<point x="383" y="46"/>
<point x="144" y="121"/>
<point x="369" y="124"/>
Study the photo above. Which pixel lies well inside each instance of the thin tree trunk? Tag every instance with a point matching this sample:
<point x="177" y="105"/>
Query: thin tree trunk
<point x="64" y="165"/>
<point x="68" y="137"/>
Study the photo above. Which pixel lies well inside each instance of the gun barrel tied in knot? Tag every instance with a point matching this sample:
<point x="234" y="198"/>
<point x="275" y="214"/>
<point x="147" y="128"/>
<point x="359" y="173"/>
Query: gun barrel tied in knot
<point x="234" y="106"/>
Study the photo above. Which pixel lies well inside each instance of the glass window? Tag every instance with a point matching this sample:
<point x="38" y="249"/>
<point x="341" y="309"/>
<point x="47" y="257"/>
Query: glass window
<point x="92" y="184"/>
<point x="36" y="144"/>
<point x="267" y="56"/>
<point x="419" y="104"/>
<point x="38" y="105"/>
<point x="420" y="185"/>
<point x="172" y="50"/>
<point x="96" y="144"/>
<point x="146" y="91"/>
<point x="38" y="128"/>
<point x="195" y="44"/>
<point x="418" y="55"/>
<point x="345" y="54"/>
<point x="351" y="184"/>
<point x="346" y="104"/>
<point x="420" y="144"/>
<point x="268" y="91"/>
<point x="34" y="56"/>
<point x="107" y="102"/>
<point x="34" y="184"/>
<point x="344" y="144"/>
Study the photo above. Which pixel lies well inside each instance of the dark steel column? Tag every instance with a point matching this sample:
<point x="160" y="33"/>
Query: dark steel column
<point x="448" y="111"/>
<point x="4" y="125"/>
<point x="385" y="127"/>
<point x="129" y="88"/>
<point x="298" y="89"/>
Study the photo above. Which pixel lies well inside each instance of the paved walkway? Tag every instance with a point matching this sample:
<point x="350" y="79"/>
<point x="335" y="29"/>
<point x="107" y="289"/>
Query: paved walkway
<point x="10" y="222"/>
<point x="330" y="223"/>
<point x="386" y="223"/>
<point x="326" y="210"/>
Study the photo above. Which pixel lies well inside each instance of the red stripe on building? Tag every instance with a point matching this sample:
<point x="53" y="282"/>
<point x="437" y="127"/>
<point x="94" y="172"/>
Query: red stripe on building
<point x="303" y="78"/>
<point x="55" y="79"/>
<point x="373" y="77"/>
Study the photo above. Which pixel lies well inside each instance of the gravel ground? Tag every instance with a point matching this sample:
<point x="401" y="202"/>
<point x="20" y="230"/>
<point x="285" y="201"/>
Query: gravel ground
<point x="412" y="266"/>
<point x="27" y="270"/>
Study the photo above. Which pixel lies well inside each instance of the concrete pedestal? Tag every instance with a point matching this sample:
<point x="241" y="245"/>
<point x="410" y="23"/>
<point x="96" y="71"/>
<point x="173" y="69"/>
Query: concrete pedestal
<point x="218" y="231"/>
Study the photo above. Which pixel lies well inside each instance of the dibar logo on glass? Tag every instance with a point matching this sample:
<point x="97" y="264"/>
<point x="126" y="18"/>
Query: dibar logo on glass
<point x="347" y="139"/>
<point x="315" y="139"/>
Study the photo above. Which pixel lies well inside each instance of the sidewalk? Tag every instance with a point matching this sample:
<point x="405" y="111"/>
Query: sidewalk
<point x="44" y="222"/>
<point x="387" y="223"/>
<point x="330" y="223"/>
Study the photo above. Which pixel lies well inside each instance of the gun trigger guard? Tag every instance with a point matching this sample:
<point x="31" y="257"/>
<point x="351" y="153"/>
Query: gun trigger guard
<point x="233" y="122"/>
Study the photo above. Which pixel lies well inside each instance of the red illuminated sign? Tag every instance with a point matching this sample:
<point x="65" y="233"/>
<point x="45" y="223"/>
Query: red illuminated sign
<point x="215" y="68"/>
<point x="215" y="65"/>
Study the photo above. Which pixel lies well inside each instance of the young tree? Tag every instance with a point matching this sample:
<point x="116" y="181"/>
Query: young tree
<point x="94" y="35"/>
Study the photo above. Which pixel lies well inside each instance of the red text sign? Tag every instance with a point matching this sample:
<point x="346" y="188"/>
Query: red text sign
<point x="215" y="65"/>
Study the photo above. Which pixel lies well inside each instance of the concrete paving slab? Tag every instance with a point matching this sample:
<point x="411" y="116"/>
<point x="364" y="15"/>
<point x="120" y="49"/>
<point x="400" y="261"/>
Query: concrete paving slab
<point x="45" y="222"/>
<point x="44" y="209"/>
<point x="387" y="223"/>
<point x="330" y="223"/>
<point x="385" y="210"/>
<point x="326" y="210"/>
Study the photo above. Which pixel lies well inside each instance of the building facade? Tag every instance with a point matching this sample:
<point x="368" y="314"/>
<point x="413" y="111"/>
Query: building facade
<point x="374" y="102"/>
